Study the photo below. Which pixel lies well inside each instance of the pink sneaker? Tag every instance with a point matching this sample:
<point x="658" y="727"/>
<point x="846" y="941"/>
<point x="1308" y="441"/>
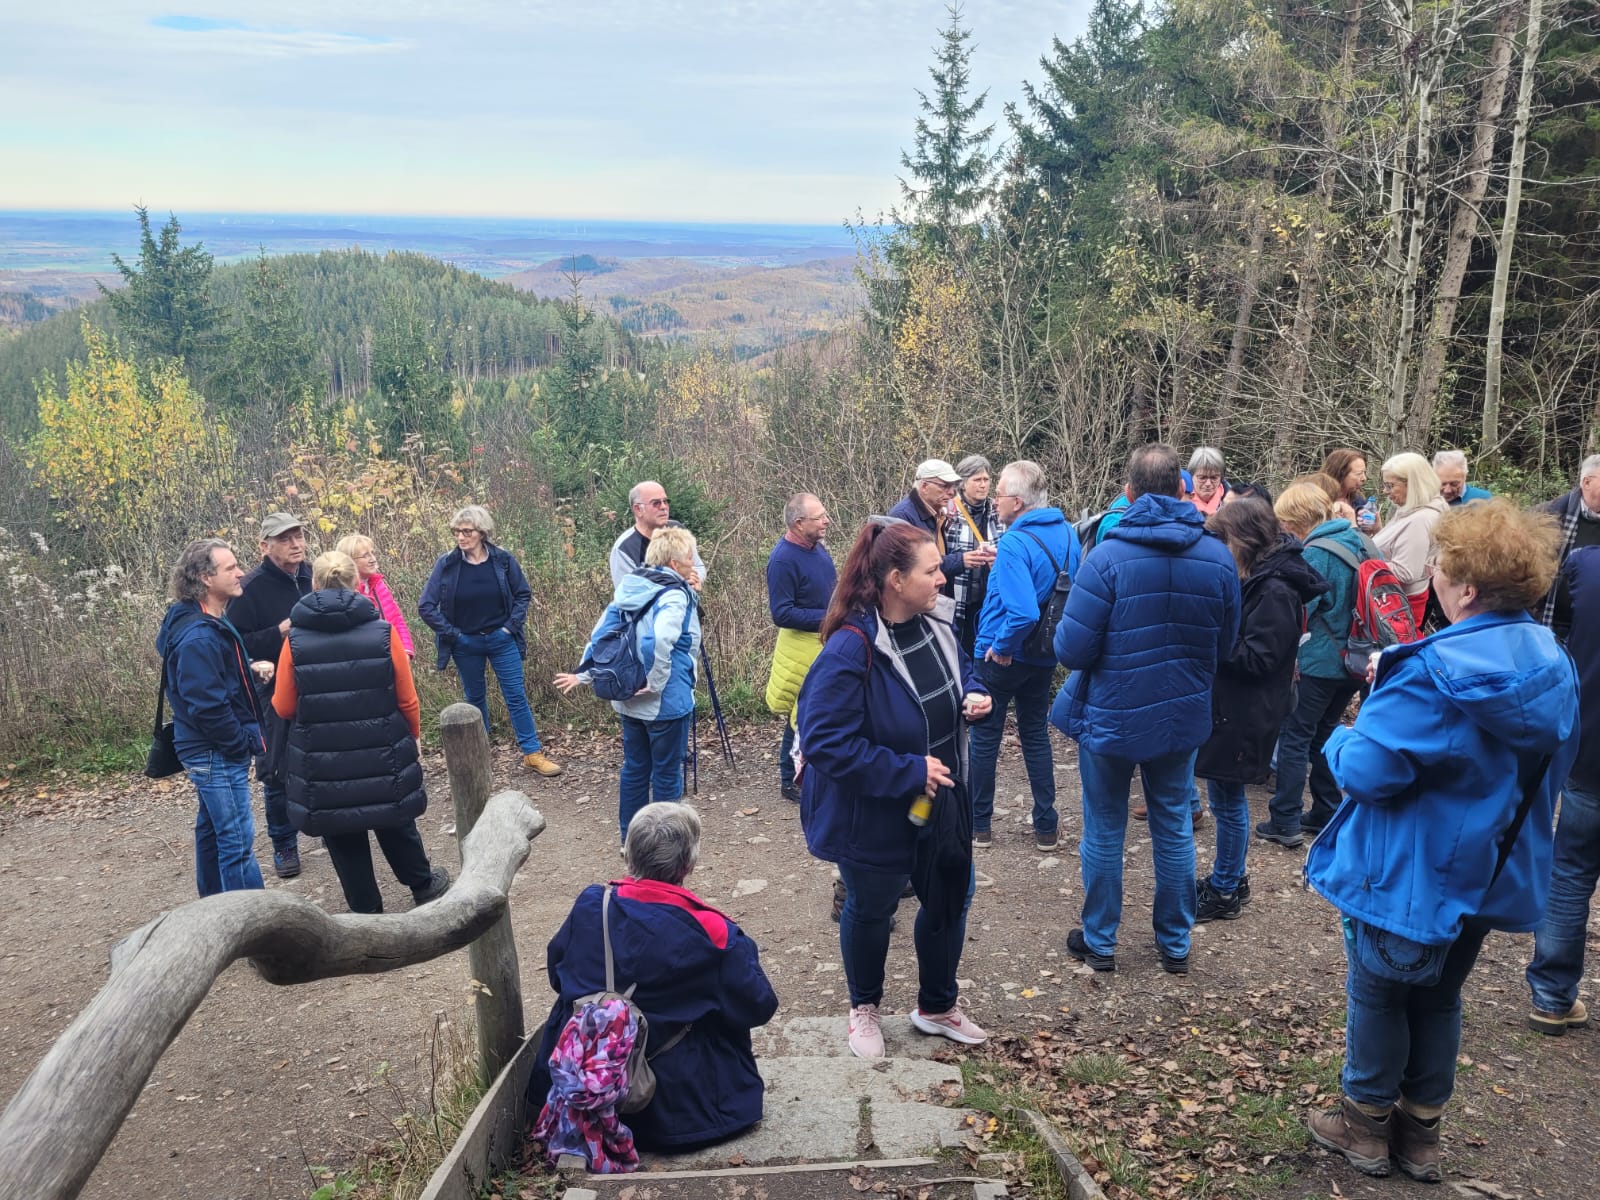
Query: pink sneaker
<point x="955" y="1025"/>
<point x="866" y="1036"/>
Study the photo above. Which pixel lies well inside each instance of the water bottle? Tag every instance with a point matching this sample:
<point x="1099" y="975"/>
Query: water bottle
<point x="1367" y="514"/>
<point x="921" y="810"/>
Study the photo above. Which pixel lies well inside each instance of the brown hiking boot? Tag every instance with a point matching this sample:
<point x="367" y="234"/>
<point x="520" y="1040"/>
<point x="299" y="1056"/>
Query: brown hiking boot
<point x="1363" y="1140"/>
<point x="537" y="762"/>
<point x="1415" y="1146"/>
<point x="1551" y="1024"/>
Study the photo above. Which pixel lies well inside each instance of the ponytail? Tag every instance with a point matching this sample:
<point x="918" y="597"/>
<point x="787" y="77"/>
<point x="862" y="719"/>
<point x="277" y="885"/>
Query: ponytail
<point x="883" y="545"/>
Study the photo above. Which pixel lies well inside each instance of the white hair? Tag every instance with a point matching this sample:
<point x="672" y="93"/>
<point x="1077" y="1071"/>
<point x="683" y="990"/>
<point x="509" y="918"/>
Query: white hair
<point x="1450" y="458"/>
<point x="477" y="516"/>
<point x="1025" y="481"/>
<point x="1591" y="466"/>
<point x="1205" y="458"/>
<point x="663" y="842"/>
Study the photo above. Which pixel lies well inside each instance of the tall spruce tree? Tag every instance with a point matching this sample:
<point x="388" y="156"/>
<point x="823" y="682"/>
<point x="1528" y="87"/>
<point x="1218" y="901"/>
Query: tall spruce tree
<point x="951" y="161"/>
<point x="165" y="310"/>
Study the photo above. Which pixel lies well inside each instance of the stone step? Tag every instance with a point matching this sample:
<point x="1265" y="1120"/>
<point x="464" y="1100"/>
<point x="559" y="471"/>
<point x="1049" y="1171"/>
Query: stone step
<point x="835" y="1181"/>
<point x="829" y="1037"/>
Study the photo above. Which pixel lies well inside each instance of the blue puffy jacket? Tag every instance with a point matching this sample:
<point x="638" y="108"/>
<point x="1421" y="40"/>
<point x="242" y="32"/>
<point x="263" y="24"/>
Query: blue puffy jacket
<point x="865" y="743"/>
<point x="1328" y="616"/>
<point x="1430" y="771"/>
<point x="1020" y="576"/>
<point x="209" y="688"/>
<point x="1152" y="612"/>
<point x="667" y="640"/>
<point x="691" y="965"/>
<point x="437" y="606"/>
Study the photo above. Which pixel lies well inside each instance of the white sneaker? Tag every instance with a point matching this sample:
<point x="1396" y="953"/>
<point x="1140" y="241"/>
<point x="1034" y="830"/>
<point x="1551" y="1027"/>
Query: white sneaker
<point x="955" y="1025"/>
<point x="866" y="1035"/>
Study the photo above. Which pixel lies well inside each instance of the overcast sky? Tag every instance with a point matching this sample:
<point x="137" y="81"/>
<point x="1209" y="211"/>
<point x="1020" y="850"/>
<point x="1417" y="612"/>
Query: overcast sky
<point x="721" y="110"/>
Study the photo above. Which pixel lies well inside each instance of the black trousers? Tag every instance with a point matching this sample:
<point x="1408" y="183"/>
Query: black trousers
<point x="351" y="855"/>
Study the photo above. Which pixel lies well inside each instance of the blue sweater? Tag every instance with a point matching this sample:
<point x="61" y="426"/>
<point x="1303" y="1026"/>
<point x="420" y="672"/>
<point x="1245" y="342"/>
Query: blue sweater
<point x="1021" y="574"/>
<point x="1470" y="493"/>
<point x="1430" y="771"/>
<point x="1152" y="612"/>
<point x="799" y="585"/>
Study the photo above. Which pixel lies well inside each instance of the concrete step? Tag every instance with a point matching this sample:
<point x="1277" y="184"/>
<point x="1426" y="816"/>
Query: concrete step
<point x="920" y="1177"/>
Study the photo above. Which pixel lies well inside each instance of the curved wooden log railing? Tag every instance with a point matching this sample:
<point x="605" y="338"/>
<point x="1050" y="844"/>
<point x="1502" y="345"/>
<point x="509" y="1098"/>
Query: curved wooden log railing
<point x="68" y="1111"/>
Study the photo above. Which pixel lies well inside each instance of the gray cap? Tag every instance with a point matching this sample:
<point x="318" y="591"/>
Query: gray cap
<point x="279" y="522"/>
<point x="937" y="468"/>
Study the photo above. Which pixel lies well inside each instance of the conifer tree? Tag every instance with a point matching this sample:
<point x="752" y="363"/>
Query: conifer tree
<point x="165" y="310"/>
<point x="950" y="161"/>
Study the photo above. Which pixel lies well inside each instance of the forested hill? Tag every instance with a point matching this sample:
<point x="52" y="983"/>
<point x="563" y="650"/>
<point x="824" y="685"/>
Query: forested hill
<point x="325" y="316"/>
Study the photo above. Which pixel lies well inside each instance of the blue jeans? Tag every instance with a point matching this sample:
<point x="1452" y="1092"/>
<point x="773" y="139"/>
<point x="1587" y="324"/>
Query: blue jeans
<point x="224" y="828"/>
<point x="652" y="764"/>
<point x="1401" y="1039"/>
<point x="870" y="900"/>
<point x="1231" y="811"/>
<point x="1168" y="782"/>
<point x="1305" y="731"/>
<point x="786" y="756"/>
<point x="1029" y="685"/>
<point x="1558" y="945"/>
<point x="471" y="652"/>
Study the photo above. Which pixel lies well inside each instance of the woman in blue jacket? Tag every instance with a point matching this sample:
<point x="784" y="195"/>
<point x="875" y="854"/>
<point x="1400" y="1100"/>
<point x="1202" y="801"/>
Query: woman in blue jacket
<point x="476" y="603"/>
<point x="883" y="793"/>
<point x="1451" y="773"/>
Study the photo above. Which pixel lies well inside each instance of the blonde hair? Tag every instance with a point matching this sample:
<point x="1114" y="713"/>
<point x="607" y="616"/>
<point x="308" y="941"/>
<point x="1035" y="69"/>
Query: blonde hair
<point x="355" y="544"/>
<point x="1422" y="485"/>
<point x="1302" y="507"/>
<point x="333" y="569"/>
<point x="670" y="545"/>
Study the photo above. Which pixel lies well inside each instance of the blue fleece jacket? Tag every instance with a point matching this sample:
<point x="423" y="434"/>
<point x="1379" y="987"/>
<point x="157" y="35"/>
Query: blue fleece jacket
<point x="800" y="584"/>
<point x="1152" y="612"/>
<point x="1430" y="771"/>
<point x="1020" y="579"/>
<point x="1328" y="616"/>
<point x="667" y="638"/>
<point x="209" y="687"/>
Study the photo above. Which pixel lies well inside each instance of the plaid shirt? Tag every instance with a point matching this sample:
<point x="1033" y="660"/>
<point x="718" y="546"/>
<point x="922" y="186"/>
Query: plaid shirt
<point x="970" y="584"/>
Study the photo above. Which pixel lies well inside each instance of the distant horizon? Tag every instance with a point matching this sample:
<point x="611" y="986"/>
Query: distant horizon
<point x="159" y="215"/>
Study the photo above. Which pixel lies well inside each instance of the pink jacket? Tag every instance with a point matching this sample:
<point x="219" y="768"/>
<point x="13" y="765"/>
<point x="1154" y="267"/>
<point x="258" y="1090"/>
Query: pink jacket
<point x="375" y="589"/>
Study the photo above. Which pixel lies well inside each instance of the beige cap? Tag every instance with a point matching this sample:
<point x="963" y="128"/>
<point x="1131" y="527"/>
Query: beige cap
<point x="937" y="468"/>
<point x="279" y="522"/>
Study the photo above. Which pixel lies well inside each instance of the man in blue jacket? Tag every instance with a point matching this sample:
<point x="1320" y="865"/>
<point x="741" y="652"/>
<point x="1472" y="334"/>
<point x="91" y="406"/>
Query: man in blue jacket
<point x="1037" y="545"/>
<point x="925" y="504"/>
<point x="1152" y="612"/>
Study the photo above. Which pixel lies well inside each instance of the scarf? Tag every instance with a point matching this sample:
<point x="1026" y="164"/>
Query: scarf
<point x="588" y="1079"/>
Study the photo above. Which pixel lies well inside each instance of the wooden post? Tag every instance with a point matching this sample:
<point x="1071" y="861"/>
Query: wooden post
<point x="497" y="977"/>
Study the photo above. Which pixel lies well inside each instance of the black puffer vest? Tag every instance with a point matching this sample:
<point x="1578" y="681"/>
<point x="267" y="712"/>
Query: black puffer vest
<point x="352" y="763"/>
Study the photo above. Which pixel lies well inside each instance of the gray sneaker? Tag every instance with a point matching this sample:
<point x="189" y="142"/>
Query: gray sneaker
<point x="436" y="886"/>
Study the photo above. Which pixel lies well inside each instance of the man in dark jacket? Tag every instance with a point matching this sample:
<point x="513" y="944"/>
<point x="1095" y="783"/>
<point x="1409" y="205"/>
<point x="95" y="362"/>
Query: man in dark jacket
<point x="1152" y="612"/>
<point x="1558" y="946"/>
<point x="925" y="504"/>
<point x="261" y="615"/>
<point x="1578" y="513"/>
<point x="1037" y="545"/>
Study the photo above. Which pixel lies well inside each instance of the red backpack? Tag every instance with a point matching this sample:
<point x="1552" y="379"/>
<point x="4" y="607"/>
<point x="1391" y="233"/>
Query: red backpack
<point x="1380" y="614"/>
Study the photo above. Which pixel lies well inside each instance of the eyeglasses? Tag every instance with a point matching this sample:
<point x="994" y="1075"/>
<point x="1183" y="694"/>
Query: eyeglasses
<point x="662" y="502"/>
<point x="464" y="531"/>
<point x="1389" y="485"/>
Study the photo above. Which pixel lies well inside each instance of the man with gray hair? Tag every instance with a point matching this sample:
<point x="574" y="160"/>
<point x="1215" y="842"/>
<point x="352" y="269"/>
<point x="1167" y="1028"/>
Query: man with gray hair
<point x="1451" y="468"/>
<point x="1037" y="546"/>
<point x="1578" y="513"/>
<point x="800" y="579"/>
<point x="651" y="511"/>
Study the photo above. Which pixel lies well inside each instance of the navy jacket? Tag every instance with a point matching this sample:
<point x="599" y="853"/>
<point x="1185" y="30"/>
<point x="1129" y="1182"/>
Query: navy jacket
<point x="910" y="509"/>
<point x="1020" y="576"/>
<point x="209" y="686"/>
<point x="268" y="597"/>
<point x="1254" y="690"/>
<point x="690" y="964"/>
<point x="1581" y="575"/>
<point x="1152" y="613"/>
<point x="1430" y="773"/>
<point x="865" y="744"/>
<point x="438" y="602"/>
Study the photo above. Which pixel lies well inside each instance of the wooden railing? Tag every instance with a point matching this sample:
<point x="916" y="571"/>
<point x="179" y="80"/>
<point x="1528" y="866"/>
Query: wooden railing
<point x="67" y="1112"/>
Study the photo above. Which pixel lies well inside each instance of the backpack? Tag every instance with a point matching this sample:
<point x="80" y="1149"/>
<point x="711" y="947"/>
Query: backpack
<point x="1088" y="530"/>
<point x="1380" y="614"/>
<point x="641" y="1077"/>
<point x="1041" y="639"/>
<point x="616" y="672"/>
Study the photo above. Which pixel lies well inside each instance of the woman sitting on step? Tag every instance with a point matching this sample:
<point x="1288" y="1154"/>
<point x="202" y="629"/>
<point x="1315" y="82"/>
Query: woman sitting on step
<point x="696" y="976"/>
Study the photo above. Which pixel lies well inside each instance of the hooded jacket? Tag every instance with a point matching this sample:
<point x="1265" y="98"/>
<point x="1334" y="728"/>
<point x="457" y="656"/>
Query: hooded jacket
<point x="352" y="758"/>
<point x="208" y="682"/>
<point x="437" y="606"/>
<point x="1328" y="615"/>
<point x="691" y="965"/>
<point x="668" y="642"/>
<point x="865" y="742"/>
<point x="1254" y="690"/>
<point x="1020" y="579"/>
<point x="1431" y="774"/>
<point x="1581" y="576"/>
<point x="1152" y="613"/>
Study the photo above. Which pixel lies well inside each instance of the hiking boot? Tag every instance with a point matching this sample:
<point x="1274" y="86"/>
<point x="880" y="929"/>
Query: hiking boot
<point x="955" y="1025"/>
<point x="866" y="1035"/>
<point x="1556" y="1024"/>
<point x="1289" y="841"/>
<point x="1415" y="1146"/>
<point x="1199" y="818"/>
<point x="1079" y="949"/>
<point x="1046" y="843"/>
<point x="909" y="892"/>
<point x="1212" y="905"/>
<point x="791" y="792"/>
<point x="1139" y="812"/>
<point x="982" y="839"/>
<point x="436" y="886"/>
<point x="1363" y="1140"/>
<point x="538" y="763"/>
<point x="1244" y="889"/>
<point x="1173" y="964"/>
<point x="1310" y="826"/>
<point x="838" y="900"/>
<point x="286" y="862"/>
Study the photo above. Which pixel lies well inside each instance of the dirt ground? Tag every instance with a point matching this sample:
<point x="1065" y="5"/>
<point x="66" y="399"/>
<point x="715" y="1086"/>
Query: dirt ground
<point x="264" y="1081"/>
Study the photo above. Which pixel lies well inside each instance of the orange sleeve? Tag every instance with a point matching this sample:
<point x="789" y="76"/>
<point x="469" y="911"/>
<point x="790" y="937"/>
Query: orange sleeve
<point x="285" y="698"/>
<point x="405" y="688"/>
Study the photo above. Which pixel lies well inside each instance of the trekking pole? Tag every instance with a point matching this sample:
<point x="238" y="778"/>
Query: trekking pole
<point x="716" y="708"/>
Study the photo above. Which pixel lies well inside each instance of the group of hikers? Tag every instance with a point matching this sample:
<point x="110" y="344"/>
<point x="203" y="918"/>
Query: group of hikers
<point x="1210" y="631"/>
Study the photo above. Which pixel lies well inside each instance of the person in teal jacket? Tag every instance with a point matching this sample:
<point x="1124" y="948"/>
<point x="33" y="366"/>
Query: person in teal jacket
<point x="1451" y="772"/>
